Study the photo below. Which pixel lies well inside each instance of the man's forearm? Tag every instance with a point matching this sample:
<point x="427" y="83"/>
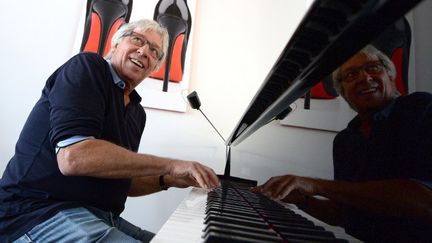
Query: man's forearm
<point x="99" y="158"/>
<point x="102" y="159"/>
<point x="399" y="198"/>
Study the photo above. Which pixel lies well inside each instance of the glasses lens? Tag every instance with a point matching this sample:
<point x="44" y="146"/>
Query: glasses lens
<point x="136" y="41"/>
<point x="354" y="73"/>
<point x="141" y="41"/>
<point x="350" y="75"/>
<point x="373" y="68"/>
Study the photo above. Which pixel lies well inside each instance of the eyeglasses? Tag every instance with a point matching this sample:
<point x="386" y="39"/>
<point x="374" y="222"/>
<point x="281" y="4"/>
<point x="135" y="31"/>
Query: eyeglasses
<point x="353" y="74"/>
<point x="140" y="41"/>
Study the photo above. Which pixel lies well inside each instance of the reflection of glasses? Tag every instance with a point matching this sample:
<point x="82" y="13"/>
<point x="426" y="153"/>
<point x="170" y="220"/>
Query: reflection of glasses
<point x="140" y="41"/>
<point x="353" y="74"/>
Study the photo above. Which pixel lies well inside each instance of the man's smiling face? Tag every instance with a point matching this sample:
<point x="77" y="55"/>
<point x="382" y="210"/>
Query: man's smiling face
<point x="371" y="88"/>
<point x="134" y="63"/>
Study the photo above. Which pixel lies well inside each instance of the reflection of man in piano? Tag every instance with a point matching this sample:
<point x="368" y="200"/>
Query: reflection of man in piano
<point x="90" y="112"/>
<point x="382" y="190"/>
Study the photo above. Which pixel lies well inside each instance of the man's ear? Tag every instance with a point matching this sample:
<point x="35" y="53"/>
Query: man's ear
<point x="395" y="89"/>
<point x="342" y="91"/>
<point x="114" y="47"/>
<point x="392" y="81"/>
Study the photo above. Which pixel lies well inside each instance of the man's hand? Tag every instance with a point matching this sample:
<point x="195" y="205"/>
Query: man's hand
<point x="280" y="187"/>
<point x="180" y="182"/>
<point x="190" y="173"/>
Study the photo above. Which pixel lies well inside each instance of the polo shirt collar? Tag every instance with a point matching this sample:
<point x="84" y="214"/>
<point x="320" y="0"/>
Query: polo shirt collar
<point x="135" y="97"/>
<point x="380" y="115"/>
<point x="385" y="112"/>
<point x="117" y="80"/>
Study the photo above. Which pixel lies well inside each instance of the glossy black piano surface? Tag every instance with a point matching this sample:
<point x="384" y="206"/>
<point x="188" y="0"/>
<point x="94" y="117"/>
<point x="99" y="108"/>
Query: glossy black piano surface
<point x="330" y="33"/>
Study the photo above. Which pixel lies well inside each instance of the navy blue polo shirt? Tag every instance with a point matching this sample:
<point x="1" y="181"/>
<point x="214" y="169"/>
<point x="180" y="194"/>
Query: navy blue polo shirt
<point x="79" y="98"/>
<point x="399" y="147"/>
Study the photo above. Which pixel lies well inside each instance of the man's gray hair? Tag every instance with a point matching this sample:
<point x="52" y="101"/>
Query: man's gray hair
<point x="142" y="25"/>
<point x="369" y="51"/>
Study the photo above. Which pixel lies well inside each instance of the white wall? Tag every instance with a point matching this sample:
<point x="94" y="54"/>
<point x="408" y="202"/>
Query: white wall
<point x="36" y="37"/>
<point x="422" y="24"/>
<point x="235" y="45"/>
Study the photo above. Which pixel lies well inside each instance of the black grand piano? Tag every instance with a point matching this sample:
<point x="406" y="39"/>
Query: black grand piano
<point x="330" y="33"/>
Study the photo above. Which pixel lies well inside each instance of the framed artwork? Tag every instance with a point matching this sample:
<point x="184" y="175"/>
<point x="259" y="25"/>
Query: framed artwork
<point x="166" y="89"/>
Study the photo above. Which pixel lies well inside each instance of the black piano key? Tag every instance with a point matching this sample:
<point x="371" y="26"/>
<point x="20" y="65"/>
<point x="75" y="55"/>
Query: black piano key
<point x="314" y="230"/>
<point x="256" y="206"/>
<point x="292" y="222"/>
<point x="227" y="202"/>
<point x="224" y="234"/>
<point x="217" y="237"/>
<point x="232" y="206"/>
<point x="264" y="229"/>
<point x="234" y="220"/>
<point x="228" y="209"/>
<point x="237" y="216"/>
<point x="279" y="214"/>
<point x="247" y="213"/>
<point x="305" y="229"/>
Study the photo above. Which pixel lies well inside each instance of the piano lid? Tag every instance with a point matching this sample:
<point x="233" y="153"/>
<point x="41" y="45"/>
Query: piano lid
<point x="330" y="33"/>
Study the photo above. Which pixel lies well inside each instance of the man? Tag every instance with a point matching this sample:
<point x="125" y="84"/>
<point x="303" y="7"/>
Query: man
<point x="382" y="160"/>
<point x="76" y="162"/>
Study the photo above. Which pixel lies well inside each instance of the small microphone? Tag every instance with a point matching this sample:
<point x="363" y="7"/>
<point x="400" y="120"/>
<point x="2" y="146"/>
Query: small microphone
<point x="195" y="103"/>
<point x="194" y="100"/>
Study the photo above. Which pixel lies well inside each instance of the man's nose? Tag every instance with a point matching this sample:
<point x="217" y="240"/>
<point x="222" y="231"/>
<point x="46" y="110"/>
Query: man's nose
<point x="364" y="76"/>
<point x="143" y="50"/>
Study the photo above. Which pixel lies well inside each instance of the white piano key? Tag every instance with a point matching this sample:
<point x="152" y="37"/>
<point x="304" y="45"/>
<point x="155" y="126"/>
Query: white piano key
<point x="185" y="225"/>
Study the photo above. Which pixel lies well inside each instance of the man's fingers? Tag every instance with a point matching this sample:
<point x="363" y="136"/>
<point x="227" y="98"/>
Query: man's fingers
<point x="210" y="178"/>
<point x="205" y="176"/>
<point x="199" y="179"/>
<point x="213" y="178"/>
<point x="257" y="189"/>
<point x="276" y="187"/>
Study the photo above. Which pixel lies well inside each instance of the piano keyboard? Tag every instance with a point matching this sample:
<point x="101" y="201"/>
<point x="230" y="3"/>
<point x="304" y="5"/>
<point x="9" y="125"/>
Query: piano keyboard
<point x="232" y="213"/>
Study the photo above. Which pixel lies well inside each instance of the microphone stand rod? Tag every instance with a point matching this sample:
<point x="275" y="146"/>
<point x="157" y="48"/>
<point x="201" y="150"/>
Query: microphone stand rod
<point x="212" y="125"/>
